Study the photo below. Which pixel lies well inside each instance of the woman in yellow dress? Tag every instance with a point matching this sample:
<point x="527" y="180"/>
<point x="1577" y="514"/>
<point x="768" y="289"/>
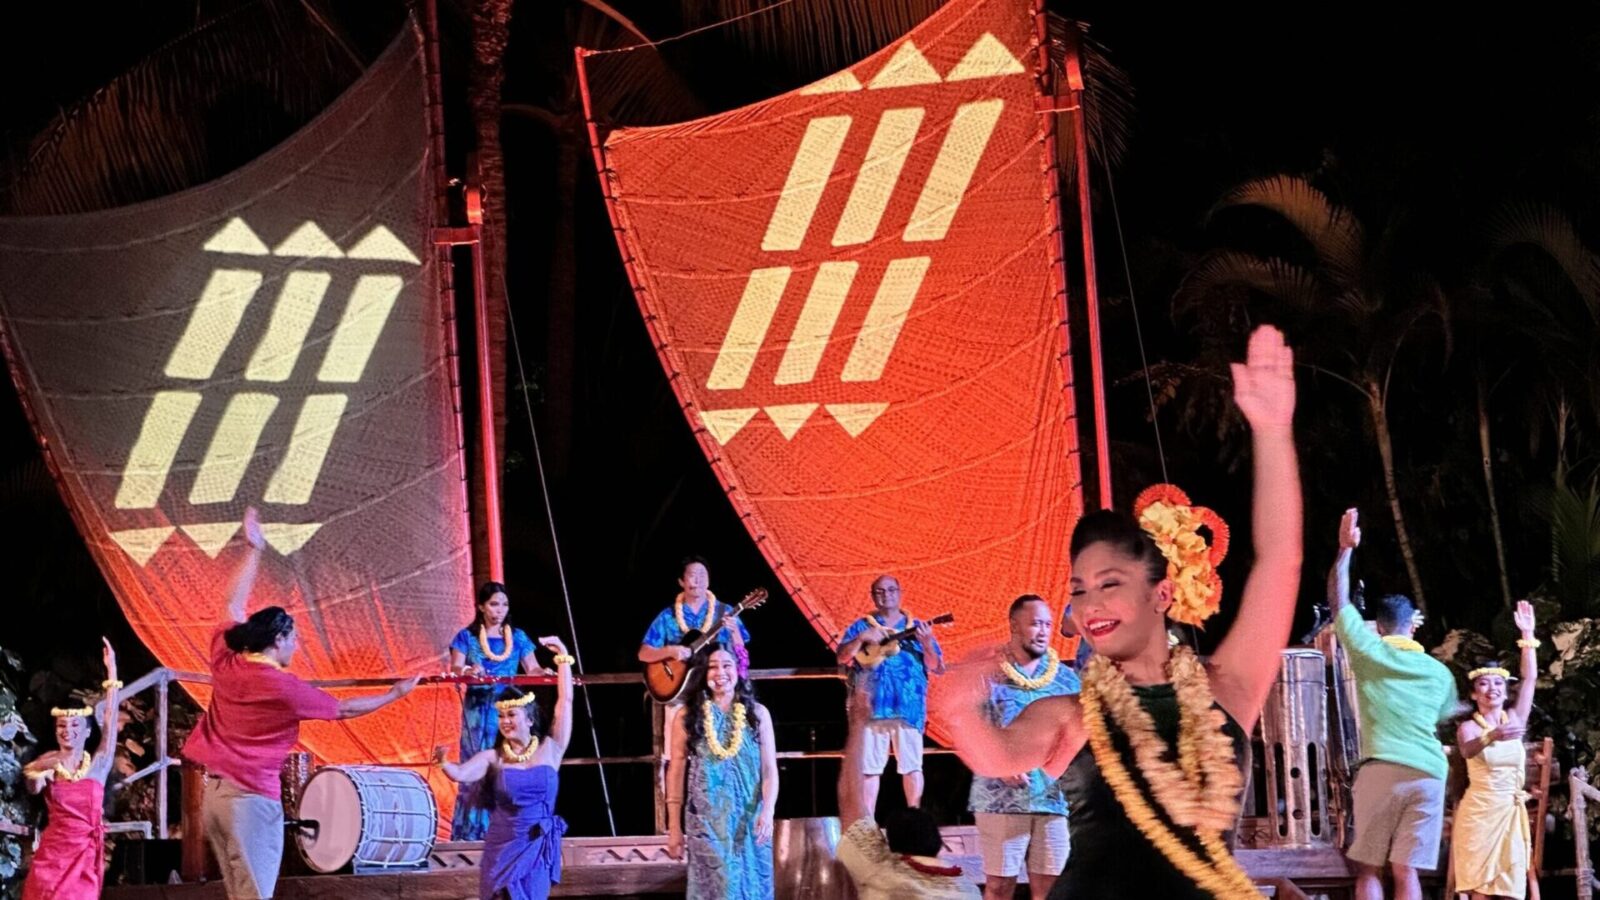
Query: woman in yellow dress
<point x="1490" y="844"/>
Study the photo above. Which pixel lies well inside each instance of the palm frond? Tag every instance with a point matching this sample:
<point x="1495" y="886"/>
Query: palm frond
<point x="196" y="108"/>
<point x="1335" y="236"/>
<point x="1289" y="284"/>
<point x="1387" y="335"/>
<point x="610" y="12"/>
<point x="634" y="87"/>
<point x="1550" y="231"/>
<point x="1575" y="547"/>
<point x="1109" y="104"/>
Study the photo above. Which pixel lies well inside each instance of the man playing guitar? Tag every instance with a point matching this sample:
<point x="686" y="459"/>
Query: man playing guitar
<point x="695" y="609"/>
<point x="899" y="691"/>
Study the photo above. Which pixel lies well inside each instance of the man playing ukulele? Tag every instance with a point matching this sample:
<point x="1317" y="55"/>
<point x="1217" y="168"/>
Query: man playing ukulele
<point x="899" y="691"/>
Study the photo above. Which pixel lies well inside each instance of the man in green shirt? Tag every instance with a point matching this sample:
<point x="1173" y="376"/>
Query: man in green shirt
<point x="1403" y="695"/>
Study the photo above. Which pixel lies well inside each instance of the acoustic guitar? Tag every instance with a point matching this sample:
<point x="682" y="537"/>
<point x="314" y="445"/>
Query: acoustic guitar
<point x="871" y="655"/>
<point x="665" y="679"/>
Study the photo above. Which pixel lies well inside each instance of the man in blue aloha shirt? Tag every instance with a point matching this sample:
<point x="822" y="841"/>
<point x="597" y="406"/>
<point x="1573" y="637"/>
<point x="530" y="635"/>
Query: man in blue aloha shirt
<point x="1024" y="817"/>
<point x="899" y="690"/>
<point x="694" y="609"/>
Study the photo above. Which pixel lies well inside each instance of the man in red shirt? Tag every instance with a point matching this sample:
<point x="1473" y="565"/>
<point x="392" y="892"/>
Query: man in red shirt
<point x="249" y="728"/>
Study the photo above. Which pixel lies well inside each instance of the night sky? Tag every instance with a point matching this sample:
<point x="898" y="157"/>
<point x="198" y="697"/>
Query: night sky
<point x="1440" y="114"/>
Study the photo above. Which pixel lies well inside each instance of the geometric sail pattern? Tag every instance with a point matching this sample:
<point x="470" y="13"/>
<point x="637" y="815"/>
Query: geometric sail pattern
<point x="275" y="338"/>
<point x="855" y="290"/>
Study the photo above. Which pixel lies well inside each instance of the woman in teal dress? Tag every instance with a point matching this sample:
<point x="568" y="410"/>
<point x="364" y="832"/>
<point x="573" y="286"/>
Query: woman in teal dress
<point x="722" y="786"/>
<point x="489" y="646"/>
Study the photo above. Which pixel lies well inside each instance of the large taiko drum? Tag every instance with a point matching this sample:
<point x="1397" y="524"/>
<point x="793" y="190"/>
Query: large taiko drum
<point x="367" y="817"/>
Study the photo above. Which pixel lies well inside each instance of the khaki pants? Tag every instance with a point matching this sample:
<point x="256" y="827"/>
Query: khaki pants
<point x="245" y="831"/>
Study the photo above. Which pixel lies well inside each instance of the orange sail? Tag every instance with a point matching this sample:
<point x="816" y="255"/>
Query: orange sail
<point x="856" y="291"/>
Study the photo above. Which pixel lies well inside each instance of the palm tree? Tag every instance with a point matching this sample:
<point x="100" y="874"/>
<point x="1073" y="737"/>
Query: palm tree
<point x="1355" y="303"/>
<point x="491" y="33"/>
<point x="1535" y="292"/>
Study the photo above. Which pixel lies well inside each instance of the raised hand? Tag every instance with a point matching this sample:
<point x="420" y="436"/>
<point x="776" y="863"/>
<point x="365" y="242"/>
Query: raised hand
<point x="1524" y="618"/>
<point x="1263" y="385"/>
<point x="109" y="657"/>
<point x="1350" y="530"/>
<point x="252" y="528"/>
<point x="554" y="645"/>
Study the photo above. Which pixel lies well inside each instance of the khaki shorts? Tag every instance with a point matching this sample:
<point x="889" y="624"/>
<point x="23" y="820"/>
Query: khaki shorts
<point x="669" y="712"/>
<point x="245" y="831"/>
<point x="1399" y="814"/>
<point x="881" y="733"/>
<point x="1006" y="839"/>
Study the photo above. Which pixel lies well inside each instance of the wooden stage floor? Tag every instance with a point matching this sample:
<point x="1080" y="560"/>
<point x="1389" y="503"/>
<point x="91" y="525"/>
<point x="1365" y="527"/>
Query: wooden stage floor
<point x="639" y="867"/>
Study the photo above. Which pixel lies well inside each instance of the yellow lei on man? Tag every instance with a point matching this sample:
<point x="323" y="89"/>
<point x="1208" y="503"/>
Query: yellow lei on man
<point x="1033" y="684"/>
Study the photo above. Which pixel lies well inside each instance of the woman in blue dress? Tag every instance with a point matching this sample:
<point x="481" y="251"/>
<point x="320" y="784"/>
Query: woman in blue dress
<point x="722" y="786"/>
<point x="489" y="646"/>
<point x="522" y="847"/>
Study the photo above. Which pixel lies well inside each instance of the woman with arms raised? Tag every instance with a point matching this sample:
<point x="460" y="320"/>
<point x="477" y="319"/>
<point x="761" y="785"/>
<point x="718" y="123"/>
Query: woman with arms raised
<point x="1157" y="743"/>
<point x="522" y="844"/>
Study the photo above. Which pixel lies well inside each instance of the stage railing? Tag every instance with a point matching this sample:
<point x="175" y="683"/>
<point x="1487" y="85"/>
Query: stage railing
<point x="161" y="680"/>
<point x="1581" y="795"/>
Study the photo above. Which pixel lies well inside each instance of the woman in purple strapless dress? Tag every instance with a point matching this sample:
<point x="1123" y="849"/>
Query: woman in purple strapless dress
<point x="522" y="850"/>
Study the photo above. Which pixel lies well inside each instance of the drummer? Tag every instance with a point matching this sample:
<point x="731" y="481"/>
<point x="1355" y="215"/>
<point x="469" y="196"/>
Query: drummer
<point x="250" y="726"/>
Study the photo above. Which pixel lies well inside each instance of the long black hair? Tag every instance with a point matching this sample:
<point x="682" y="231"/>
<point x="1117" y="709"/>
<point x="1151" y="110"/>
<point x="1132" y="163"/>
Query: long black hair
<point x="700" y="694"/>
<point x="486" y="591"/>
<point x="1121" y="530"/>
<point x="260" y="631"/>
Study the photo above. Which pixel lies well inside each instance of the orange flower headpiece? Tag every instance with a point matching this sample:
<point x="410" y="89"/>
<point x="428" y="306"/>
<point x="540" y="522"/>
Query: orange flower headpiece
<point x="1165" y="513"/>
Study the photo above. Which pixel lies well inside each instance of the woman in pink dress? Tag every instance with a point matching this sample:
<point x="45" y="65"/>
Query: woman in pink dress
<point x="70" y="861"/>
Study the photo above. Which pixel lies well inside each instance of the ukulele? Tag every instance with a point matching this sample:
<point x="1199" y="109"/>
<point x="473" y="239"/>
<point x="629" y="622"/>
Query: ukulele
<point x="871" y="655"/>
<point x="665" y="679"/>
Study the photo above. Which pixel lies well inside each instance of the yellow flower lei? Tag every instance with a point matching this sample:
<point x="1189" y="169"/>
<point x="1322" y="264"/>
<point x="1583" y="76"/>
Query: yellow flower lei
<point x="82" y="770"/>
<point x="713" y="743"/>
<point x="483" y="642"/>
<point x="263" y="659"/>
<point x="1205" y="770"/>
<point x="677" y="612"/>
<point x="1402" y="643"/>
<point x="1484" y="723"/>
<point x="524" y="700"/>
<point x="511" y="756"/>
<point x="1033" y="684"/>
